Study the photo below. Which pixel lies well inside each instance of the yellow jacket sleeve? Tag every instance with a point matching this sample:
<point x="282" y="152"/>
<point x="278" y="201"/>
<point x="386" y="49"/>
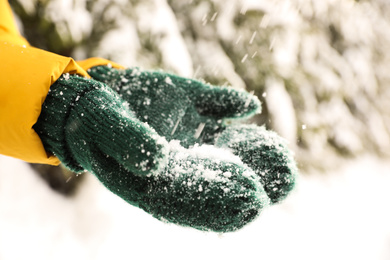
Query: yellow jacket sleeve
<point x="93" y="62"/>
<point x="8" y="29"/>
<point x="26" y="74"/>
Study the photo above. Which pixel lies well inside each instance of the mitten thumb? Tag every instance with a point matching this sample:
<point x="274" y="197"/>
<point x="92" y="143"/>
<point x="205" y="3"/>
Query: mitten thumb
<point x="83" y="120"/>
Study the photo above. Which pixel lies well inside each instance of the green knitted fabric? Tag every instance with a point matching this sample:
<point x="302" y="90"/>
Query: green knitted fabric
<point x="82" y="119"/>
<point x="202" y="193"/>
<point x="87" y="126"/>
<point x="178" y="108"/>
<point x="175" y="107"/>
<point x="266" y="153"/>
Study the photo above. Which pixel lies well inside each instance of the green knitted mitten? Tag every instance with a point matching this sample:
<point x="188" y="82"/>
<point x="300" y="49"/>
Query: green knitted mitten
<point x="264" y="152"/>
<point x="178" y="108"/>
<point x="195" y="191"/>
<point x="83" y="119"/>
<point x="86" y="125"/>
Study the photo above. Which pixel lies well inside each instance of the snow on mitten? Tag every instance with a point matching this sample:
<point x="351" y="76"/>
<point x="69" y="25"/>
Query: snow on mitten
<point x="86" y="125"/>
<point x="195" y="189"/>
<point x="178" y="108"/>
<point x="83" y="119"/>
<point x="265" y="153"/>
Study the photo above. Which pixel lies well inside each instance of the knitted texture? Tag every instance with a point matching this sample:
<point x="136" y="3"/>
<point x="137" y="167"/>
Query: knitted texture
<point x="82" y="119"/>
<point x="178" y="108"/>
<point x="194" y="191"/>
<point x="88" y="127"/>
<point x="266" y="153"/>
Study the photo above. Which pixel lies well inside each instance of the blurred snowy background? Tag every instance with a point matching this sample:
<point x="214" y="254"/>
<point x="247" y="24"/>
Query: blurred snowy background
<point x="320" y="67"/>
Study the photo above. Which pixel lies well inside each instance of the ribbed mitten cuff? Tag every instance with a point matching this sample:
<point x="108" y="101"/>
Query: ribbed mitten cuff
<point x="51" y="125"/>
